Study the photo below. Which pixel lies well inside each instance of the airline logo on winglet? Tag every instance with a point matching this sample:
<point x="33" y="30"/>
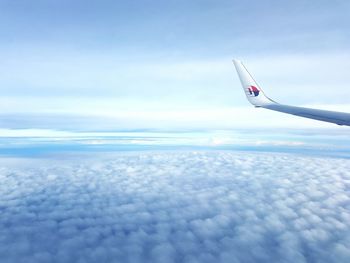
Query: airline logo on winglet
<point x="253" y="91"/>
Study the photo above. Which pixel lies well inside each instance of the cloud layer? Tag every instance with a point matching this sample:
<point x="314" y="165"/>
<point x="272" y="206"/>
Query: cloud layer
<point x="175" y="207"/>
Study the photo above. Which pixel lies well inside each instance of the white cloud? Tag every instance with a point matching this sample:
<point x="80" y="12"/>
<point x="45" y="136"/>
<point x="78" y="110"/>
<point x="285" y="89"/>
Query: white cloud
<point x="175" y="207"/>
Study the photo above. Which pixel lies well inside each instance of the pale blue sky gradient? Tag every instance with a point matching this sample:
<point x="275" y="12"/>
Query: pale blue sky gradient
<point x="116" y="57"/>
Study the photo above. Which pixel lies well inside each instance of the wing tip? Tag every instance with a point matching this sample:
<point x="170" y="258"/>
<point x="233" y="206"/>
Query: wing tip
<point x="236" y="61"/>
<point x="258" y="97"/>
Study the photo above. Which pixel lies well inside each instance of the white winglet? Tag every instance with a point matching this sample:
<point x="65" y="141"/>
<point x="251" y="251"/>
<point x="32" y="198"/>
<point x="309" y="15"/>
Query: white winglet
<point x="257" y="97"/>
<point x="254" y="93"/>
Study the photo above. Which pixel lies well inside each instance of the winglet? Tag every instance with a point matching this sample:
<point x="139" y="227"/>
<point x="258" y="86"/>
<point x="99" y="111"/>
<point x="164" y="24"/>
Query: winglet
<point x="254" y="93"/>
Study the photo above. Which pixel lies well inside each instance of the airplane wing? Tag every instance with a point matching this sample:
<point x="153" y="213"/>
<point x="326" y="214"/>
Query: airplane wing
<point x="257" y="97"/>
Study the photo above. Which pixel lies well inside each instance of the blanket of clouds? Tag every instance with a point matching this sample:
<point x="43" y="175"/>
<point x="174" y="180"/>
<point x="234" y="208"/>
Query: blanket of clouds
<point x="215" y="206"/>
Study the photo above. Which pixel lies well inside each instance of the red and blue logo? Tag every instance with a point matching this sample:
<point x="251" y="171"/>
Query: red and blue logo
<point x="253" y="91"/>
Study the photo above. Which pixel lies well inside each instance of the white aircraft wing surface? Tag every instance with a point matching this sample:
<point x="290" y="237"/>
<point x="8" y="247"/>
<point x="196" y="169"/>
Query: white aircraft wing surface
<point x="257" y="97"/>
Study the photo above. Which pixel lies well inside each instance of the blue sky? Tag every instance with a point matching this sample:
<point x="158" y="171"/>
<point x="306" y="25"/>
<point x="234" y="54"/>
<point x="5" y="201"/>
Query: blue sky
<point x="143" y="61"/>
